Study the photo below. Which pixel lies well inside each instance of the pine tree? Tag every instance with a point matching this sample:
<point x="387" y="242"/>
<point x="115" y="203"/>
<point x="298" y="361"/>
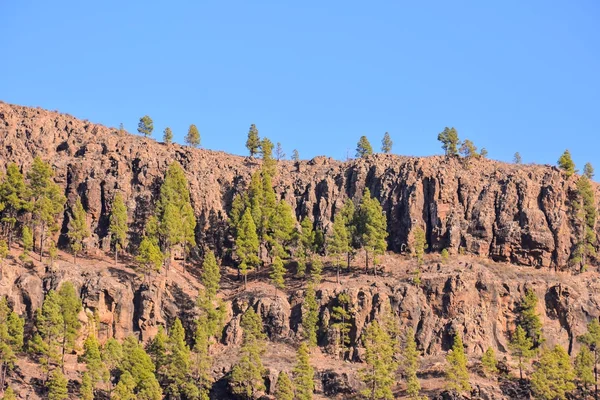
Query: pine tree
<point x="521" y="346"/>
<point x="468" y="149"/>
<point x="306" y="245"/>
<point x="253" y="142"/>
<point x="340" y="317"/>
<point x="125" y="388"/>
<point x="247" y="244"/>
<point x="339" y="242"/>
<point x="310" y="315"/>
<point x="584" y="368"/>
<point x="449" y="139"/>
<point x="145" y="126"/>
<point x="363" y="148"/>
<point x="174" y="212"/>
<point x="489" y="361"/>
<point x="278" y="274"/>
<point x="284" y="389"/>
<point x="157" y="351"/>
<point x="178" y="365"/>
<point x="11" y="339"/>
<point x="304" y="374"/>
<point x="47" y="199"/>
<point x="483" y="153"/>
<point x="57" y="386"/>
<point x="586" y="247"/>
<point x="3" y="249"/>
<point x="269" y="166"/>
<point x="445" y="256"/>
<point x="201" y="362"/>
<point x="553" y="376"/>
<point x="139" y="365"/>
<point x="386" y="143"/>
<point x="193" y="136"/>
<point x="168" y="135"/>
<point x="70" y="307"/>
<point x="517" y="158"/>
<point x="118" y="224"/>
<point x="411" y="365"/>
<point x="13" y="198"/>
<point x="9" y="394"/>
<point x="457" y="375"/>
<point x="112" y="354"/>
<point x="591" y="339"/>
<point x="213" y="310"/>
<point x="27" y="238"/>
<point x="247" y="374"/>
<point x="86" y="392"/>
<point x="281" y="229"/>
<point x="149" y="257"/>
<point x="211" y="275"/>
<point x="565" y="162"/>
<point x="295" y="155"/>
<point x="379" y="373"/>
<point x="316" y="270"/>
<point x="588" y="171"/>
<point x="47" y="340"/>
<point x="529" y="319"/>
<point x="372" y="227"/>
<point x="279" y="154"/>
<point x="78" y="229"/>
<point x="420" y="244"/>
<point x="95" y="367"/>
<point x="52" y="253"/>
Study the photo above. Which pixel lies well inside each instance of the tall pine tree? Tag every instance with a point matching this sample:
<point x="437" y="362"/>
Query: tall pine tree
<point x="118" y="224"/>
<point x="553" y="376"/>
<point x="47" y="200"/>
<point x="11" y="339"/>
<point x="247" y="374"/>
<point x="193" y="136"/>
<point x="372" y="225"/>
<point x="304" y="374"/>
<point x="253" y="142"/>
<point x="78" y="228"/>
<point x="379" y="374"/>
<point x="457" y="374"/>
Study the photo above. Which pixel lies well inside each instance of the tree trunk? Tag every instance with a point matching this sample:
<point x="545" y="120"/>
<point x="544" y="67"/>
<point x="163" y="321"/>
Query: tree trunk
<point x="245" y="280"/>
<point x="64" y="345"/>
<point x="338" y="274"/>
<point x="348" y="268"/>
<point x="596" y="373"/>
<point x="116" y="252"/>
<point x="366" y="261"/>
<point x="520" y="368"/>
<point x="2" y="376"/>
<point x="42" y="244"/>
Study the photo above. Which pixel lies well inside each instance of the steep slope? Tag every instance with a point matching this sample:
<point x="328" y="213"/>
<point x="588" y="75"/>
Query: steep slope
<point x="522" y="214"/>
<point x="517" y="225"/>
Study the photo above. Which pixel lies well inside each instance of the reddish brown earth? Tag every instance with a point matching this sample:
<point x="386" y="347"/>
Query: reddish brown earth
<point x="515" y="223"/>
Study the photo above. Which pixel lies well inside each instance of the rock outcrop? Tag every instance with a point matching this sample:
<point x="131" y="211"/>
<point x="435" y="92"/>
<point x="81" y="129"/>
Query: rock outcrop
<point x="523" y="214"/>
<point x="509" y="229"/>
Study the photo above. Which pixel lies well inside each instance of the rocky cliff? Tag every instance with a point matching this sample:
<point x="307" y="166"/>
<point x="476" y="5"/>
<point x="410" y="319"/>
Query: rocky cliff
<point x="508" y="227"/>
<point x="521" y="214"/>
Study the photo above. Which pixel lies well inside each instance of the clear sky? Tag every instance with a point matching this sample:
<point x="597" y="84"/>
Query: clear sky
<point x="316" y="75"/>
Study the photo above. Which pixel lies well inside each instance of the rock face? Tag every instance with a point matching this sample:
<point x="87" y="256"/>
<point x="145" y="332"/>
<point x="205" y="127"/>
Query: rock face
<point x="488" y="214"/>
<point x="520" y="214"/>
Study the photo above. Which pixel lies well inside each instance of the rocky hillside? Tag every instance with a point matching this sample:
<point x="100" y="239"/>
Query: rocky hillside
<point x="521" y="214"/>
<point x="508" y="228"/>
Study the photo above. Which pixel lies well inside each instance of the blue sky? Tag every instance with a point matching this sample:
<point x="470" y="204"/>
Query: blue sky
<point x="509" y="75"/>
